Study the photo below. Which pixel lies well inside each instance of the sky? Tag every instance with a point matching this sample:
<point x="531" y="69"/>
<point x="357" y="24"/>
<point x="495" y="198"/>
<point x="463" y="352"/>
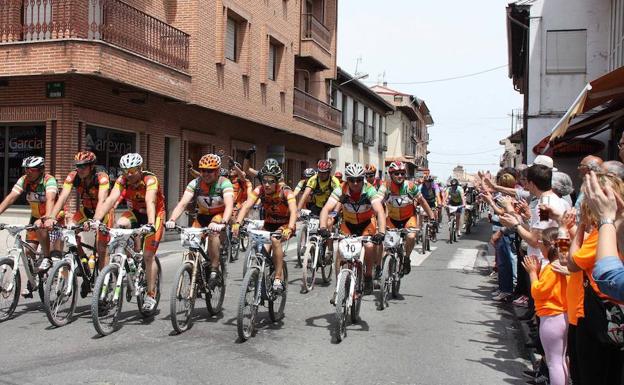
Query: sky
<point x="423" y="40"/>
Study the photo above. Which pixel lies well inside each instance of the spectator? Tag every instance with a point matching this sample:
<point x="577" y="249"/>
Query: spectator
<point x="589" y="163"/>
<point x="562" y="186"/>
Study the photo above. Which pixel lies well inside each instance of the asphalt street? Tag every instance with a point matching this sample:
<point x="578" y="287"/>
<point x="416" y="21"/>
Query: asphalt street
<point x="444" y="329"/>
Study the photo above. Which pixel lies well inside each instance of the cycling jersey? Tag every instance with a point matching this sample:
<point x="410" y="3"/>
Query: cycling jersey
<point x="275" y="205"/>
<point x="377" y="183"/>
<point x="356" y="208"/>
<point x="241" y="188"/>
<point x="209" y="198"/>
<point x="36" y="192"/>
<point x="134" y="195"/>
<point x="87" y="188"/>
<point x="400" y="199"/>
<point x="321" y="189"/>
<point x="430" y="194"/>
<point x="300" y="186"/>
<point x="455" y="197"/>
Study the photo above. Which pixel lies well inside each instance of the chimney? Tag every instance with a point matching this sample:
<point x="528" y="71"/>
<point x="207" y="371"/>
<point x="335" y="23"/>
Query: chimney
<point x="385" y="84"/>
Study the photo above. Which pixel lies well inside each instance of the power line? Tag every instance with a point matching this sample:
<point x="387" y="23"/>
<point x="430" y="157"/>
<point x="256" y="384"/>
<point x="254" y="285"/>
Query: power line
<point x="472" y="153"/>
<point x="450" y="78"/>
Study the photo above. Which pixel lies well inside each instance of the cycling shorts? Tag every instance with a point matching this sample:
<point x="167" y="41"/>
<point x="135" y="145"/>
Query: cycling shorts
<point x="151" y="240"/>
<point x="203" y="220"/>
<point x="409" y="223"/>
<point x="366" y="228"/>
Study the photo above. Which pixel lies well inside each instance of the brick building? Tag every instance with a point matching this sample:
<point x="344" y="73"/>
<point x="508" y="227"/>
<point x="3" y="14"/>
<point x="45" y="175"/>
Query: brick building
<point x="170" y="79"/>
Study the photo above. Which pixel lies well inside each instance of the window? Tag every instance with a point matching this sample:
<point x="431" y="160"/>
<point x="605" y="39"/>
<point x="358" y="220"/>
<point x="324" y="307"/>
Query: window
<point x="566" y="51"/>
<point x="231" y="40"/>
<point x="343" y="107"/>
<point x="17" y="143"/>
<point x="109" y="146"/>
<point x="273" y="59"/>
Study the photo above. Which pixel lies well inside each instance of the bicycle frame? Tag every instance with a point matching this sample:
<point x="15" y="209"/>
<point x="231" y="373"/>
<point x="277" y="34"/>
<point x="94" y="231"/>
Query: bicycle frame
<point x="18" y="251"/>
<point x="120" y="248"/>
<point x="195" y="246"/>
<point x="353" y="265"/>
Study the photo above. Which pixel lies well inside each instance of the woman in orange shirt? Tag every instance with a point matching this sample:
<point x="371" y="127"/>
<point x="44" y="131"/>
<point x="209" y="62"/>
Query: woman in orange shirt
<point x="548" y="289"/>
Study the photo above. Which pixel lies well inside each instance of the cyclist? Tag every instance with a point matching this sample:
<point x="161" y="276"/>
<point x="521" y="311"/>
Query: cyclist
<point x="400" y="197"/>
<point x="92" y="188"/>
<point x="146" y="208"/>
<point x="242" y="187"/>
<point x="371" y="172"/>
<point x="431" y="192"/>
<point x="213" y="196"/>
<point x="280" y="210"/>
<point x="455" y="197"/>
<point x="338" y="176"/>
<point x="307" y="174"/>
<point x="359" y="201"/>
<point x="41" y="190"/>
<point x="319" y="187"/>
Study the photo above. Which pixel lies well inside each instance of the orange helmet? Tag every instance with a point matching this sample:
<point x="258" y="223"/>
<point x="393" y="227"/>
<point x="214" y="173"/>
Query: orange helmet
<point x="210" y="161"/>
<point x="370" y="168"/>
<point x="84" y="157"/>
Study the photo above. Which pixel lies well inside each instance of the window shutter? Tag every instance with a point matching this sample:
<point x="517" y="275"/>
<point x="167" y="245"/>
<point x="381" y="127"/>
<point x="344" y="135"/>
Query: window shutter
<point x="230" y="40"/>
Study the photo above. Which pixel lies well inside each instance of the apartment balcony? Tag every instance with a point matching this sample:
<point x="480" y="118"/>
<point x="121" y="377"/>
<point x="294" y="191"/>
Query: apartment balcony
<point x="106" y="38"/>
<point x="307" y="107"/>
<point x="316" y="42"/>
<point x="369" y="136"/>
<point x="358" y="132"/>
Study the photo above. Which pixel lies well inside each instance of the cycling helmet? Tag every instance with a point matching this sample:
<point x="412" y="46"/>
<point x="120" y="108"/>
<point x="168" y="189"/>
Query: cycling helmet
<point x="338" y="175"/>
<point x="396" y="166"/>
<point x="33" y="161"/>
<point x="454" y="182"/>
<point x="271" y="170"/>
<point x="324" y="165"/>
<point x="309" y="172"/>
<point x="354" y="170"/>
<point x="84" y="157"/>
<point x="271" y="162"/>
<point x="429" y="178"/>
<point x="210" y="162"/>
<point x="371" y="169"/>
<point x="131" y="160"/>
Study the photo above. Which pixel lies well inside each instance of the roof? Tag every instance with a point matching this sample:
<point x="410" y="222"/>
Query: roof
<point x="387" y="91"/>
<point x="356" y="85"/>
<point x="407" y="107"/>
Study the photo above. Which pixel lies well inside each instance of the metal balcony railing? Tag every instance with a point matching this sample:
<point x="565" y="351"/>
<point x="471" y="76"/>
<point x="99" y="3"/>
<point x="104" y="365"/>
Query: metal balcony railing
<point x="112" y="21"/>
<point x="313" y="28"/>
<point x="314" y="110"/>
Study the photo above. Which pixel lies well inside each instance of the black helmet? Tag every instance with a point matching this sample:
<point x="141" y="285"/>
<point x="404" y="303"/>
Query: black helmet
<point x="271" y="170"/>
<point x="454" y="182"/>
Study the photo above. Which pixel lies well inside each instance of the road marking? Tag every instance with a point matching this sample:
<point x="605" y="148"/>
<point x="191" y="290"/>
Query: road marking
<point x="420" y="258"/>
<point x="463" y="259"/>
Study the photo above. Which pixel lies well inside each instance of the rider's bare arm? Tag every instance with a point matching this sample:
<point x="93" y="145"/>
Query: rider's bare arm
<point x="304" y="198"/>
<point x="8" y="201"/>
<point x="187" y="197"/>
<point x="329" y="206"/>
<point x="381" y="215"/>
<point x="104" y="207"/>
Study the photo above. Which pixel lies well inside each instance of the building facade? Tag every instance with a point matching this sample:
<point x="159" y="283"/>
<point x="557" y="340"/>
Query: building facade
<point x="363" y="123"/>
<point x="407" y="129"/>
<point x="172" y="80"/>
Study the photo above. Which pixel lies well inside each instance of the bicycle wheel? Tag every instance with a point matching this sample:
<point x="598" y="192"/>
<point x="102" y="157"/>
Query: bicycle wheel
<point x="309" y="267"/>
<point x="234" y="247"/>
<point x="9" y="288"/>
<point x="423" y="238"/>
<point x="327" y="265"/>
<point x="357" y="298"/>
<point x="340" y="327"/>
<point x="278" y="303"/>
<point x="247" y="304"/>
<point x="468" y="222"/>
<point x="244" y="241"/>
<point x="58" y="304"/>
<point x="247" y="262"/>
<point x="181" y="302"/>
<point x="396" y="277"/>
<point x="215" y="295"/>
<point x="301" y="245"/>
<point x="386" y="284"/>
<point x="143" y="292"/>
<point x="451" y="231"/>
<point x="105" y="310"/>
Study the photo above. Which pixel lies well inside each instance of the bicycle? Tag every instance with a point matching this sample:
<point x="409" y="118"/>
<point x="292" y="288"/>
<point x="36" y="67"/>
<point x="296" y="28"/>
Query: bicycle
<point x="469" y="218"/>
<point x="230" y="246"/>
<point x="249" y="224"/>
<point x="191" y="280"/>
<point x="423" y="233"/>
<point x="394" y="254"/>
<point x="10" y="271"/>
<point x="304" y="236"/>
<point x="124" y="273"/>
<point x="349" y="283"/>
<point x="316" y="256"/>
<point x="62" y="283"/>
<point x="257" y="286"/>
<point x="452" y="222"/>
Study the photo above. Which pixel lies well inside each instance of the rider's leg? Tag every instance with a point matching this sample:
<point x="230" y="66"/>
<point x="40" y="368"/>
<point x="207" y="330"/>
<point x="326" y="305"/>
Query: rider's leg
<point x="214" y="249"/>
<point x="278" y="258"/>
<point x="458" y="217"/>
<point x="150" y="246"/>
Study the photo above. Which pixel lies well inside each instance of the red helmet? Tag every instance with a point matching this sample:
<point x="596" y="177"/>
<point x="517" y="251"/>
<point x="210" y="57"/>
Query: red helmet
<point x="338" y="175"/>
<point x="396" y="166"/>
<point x="84" y="157"/>
<point x="324" y="165"/>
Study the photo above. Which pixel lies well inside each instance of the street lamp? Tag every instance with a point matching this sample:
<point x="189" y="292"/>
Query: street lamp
<point x="363" y="76"/>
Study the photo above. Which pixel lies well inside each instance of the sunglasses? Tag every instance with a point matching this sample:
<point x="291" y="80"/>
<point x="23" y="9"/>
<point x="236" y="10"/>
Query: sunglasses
<point x="355" y="180"/>
<point x="269" y="181"/>
<point x="370" y="175"/>
<point x="208" y="171"/>
<point x="130" y="171"/>
<point x="398" y="173"/>
<point x="32" y="169"/>
<point x="81" y="166"/>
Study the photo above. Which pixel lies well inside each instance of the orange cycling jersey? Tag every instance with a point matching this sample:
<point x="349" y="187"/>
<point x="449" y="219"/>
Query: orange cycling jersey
<point x="275" y="205"/>
<point x="356" y="208"/>
<point x="135" y="194"/>
<point x="241" y="187"/>
<point x="36" y="192"/>
<point x="400" y="199"/>
<point x="87" y="188"/>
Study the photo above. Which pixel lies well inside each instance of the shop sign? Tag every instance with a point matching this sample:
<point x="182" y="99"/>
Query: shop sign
<point x="55" y="90"/>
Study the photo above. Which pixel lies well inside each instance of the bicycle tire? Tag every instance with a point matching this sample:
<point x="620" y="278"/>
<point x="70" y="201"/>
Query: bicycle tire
<point x="340" y="326"/>
<point x="248" y="286"/>
<point x="50" y="306"/>
<point x="180" y="299"/>
<point x="244" y="242"/>
<point x="99" y="289"/>
<point x="451" y="231"/>
<point x="357" y="301"/>
<point x="301" y="245"/>
<point x="276" y="312"/>
<point x="15" y="283"/>
<point x="309" y="268"/>
<point x="327" y="266"/>
<point x="247" y="262"/>
<point x="234" y="247"/>
<point x="140" y="298"/>
<point x="396" y="278"/>
<point x="468" y="222"/>
<point x="216" y="295"/>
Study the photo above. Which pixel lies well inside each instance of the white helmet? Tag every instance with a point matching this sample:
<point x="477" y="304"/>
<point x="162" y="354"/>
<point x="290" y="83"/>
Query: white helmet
<point x="33" y="161"/>
<point x="354" y="170"/>
<point x="130" y="160"/>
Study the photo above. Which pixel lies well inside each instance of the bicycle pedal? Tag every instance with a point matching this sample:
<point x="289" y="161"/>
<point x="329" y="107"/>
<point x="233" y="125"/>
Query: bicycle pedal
<point x="27" y="294"/>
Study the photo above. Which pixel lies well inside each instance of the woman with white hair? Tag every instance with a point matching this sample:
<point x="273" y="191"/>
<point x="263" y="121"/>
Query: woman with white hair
<point x="562" y="186"/>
